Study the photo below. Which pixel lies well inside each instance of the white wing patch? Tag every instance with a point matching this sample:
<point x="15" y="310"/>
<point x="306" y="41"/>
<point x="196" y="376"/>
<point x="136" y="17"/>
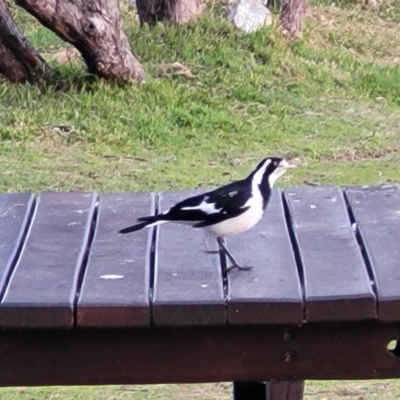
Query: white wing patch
<point x="157" y="223"/>
<point x="233" y="193"/>
<point x="207" y="208"/>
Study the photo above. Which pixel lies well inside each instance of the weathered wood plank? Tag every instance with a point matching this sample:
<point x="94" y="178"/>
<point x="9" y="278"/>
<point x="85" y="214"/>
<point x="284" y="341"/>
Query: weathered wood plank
<point x="271" y="291"/>
<point x="377" y="214"/>
<point x="15" y="212"/>
<point x="115" y="289"/>
<point x="337" y="286"/>
<point x="194" y="354"/>
<point x="188" y="288"/>
<point x="42" y="289"/>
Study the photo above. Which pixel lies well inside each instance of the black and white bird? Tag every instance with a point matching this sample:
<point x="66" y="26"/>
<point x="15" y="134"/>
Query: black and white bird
<point x="226" y="211"/>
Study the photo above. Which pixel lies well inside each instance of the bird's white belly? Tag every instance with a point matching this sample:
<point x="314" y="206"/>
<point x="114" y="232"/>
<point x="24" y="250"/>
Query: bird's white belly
<point x="236" y="225"/>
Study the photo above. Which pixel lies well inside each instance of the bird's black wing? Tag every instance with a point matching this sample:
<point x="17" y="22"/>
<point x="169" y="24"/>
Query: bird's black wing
<point x="212" y="207"/>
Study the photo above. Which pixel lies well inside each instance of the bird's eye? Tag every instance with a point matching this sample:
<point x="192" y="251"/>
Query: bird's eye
<point x="276" y="163"/>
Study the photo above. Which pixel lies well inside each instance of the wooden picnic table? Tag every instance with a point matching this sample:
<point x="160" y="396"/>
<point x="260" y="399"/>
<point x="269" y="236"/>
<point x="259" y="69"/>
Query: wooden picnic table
<point x="83" y="305"/>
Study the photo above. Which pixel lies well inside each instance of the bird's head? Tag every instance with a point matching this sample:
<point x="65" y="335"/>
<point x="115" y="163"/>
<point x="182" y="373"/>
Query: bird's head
<point x="270" y="169"/>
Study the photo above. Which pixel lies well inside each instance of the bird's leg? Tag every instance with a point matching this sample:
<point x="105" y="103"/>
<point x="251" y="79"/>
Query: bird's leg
<point x="234" y="263"/>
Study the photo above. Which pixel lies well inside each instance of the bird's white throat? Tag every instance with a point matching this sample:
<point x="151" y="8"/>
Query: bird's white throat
<point x="276" y="175"/>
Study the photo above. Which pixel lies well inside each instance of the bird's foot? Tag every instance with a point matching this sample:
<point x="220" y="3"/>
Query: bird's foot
<point x="239" y="267"/>
<point x="234" y="264"/>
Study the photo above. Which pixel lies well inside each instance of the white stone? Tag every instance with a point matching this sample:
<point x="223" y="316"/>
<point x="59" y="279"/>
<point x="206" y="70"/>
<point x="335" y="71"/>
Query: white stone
<point x="249" y="15"/>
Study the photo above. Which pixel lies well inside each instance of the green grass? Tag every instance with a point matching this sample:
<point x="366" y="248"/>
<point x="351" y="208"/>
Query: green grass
<point x="331" y="101"/>
<point x="315" y="390"/>
<point x="218" y="391"/>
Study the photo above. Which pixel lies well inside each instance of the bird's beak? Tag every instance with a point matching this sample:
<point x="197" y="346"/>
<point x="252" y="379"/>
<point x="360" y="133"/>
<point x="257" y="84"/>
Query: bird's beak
<point x="286" y="165"/>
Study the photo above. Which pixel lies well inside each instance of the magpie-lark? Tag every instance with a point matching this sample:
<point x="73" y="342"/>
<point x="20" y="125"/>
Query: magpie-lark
<point x="226" y="211"/>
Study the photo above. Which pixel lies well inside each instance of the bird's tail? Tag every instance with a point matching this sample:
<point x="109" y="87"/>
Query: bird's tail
<point x="143" y="222"/>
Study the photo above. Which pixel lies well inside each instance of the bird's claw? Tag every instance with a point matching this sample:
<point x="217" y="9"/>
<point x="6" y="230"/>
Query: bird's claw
<point x="238" y="267"/>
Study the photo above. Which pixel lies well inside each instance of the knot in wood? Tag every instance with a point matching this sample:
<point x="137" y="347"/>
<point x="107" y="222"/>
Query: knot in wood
<point x="89" y="27"/>
<point x="100" y="66"/>
<point x="289" y="336"/>
<point x="289" y="356"/>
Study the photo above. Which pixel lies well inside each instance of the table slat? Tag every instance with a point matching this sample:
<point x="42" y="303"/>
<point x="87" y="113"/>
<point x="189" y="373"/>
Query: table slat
<point x="188" y="287"/>
<point x="41" y="292"/>
<point x="337" y="285"/>
<point x="115" y="289"/>
<point x="15" y="212"/>
<point x="270" y="292"/>
<point x="377" y="214"/>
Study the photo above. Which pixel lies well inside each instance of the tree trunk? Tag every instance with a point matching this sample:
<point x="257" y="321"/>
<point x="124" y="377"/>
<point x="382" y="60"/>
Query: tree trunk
<point x="177" y="11"/>
<point x="94" y="27"/>
<point x="18" y="59"/>
<point x="292" y="16"/>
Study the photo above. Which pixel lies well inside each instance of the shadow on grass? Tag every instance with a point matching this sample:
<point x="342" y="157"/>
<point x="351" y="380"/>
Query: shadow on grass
<point x="66" y="79"/>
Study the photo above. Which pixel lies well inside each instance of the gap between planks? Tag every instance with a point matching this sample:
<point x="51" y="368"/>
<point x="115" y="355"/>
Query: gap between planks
<point x="296" y="250"/>
<point x="89" y="236"/>
<point x="21" y="240"/>
<point x="153" y="254"/>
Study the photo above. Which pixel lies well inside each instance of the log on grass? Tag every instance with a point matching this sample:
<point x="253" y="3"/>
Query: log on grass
<point x="94" y="27"/>
<point x="18" y="59"/>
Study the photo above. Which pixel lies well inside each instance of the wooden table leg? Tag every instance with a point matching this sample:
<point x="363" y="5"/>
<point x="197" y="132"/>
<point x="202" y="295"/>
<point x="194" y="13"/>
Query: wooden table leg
<point x="272" y="390"/>
<point x="285" y="390"/>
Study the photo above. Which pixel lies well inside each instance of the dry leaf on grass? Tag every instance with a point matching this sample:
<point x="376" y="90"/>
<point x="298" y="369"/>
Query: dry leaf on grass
<point x="174" y="69"/>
